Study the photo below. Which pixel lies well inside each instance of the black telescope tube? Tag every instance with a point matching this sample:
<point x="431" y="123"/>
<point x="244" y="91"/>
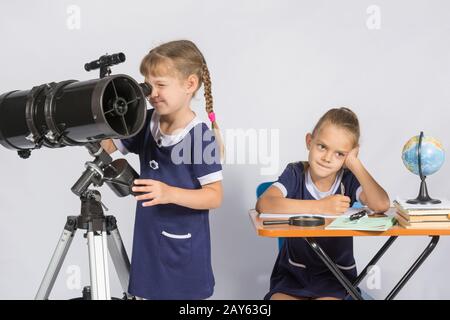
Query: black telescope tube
<point x="72" y="113"/>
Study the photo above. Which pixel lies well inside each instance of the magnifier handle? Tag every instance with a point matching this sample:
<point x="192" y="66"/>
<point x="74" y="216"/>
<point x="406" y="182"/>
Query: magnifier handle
<point x="270" y="222"/>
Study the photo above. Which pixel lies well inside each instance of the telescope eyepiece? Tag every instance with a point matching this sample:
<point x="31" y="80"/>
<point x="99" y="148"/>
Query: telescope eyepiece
<point x="146" y="89"/>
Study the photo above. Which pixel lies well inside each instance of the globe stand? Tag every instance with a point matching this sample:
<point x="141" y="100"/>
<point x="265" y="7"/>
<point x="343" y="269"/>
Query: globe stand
<point x="423" y="197"/>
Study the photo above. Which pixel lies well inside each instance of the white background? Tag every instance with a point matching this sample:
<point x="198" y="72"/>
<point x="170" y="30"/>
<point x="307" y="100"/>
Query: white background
<point x="274" y="65"/>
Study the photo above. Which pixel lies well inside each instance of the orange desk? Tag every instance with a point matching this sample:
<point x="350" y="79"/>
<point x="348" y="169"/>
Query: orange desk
<point x="293" y="231"/>
<point x="309" y="233"/>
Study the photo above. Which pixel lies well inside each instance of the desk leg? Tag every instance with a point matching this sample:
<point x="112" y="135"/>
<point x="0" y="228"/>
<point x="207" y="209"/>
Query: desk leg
<point x="334" y="269"/>
<point x="414" y="267"/>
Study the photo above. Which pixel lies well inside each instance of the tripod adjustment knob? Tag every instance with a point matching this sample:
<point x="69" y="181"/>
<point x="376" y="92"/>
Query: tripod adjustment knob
<point x="92" y="194"/>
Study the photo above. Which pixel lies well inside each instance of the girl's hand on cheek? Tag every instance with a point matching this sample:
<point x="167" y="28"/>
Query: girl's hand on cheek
<point x="352" y="158"/>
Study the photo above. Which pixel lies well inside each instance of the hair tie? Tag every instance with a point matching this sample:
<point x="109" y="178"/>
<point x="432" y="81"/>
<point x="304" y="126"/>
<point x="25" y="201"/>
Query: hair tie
<point x="212" y="116"/>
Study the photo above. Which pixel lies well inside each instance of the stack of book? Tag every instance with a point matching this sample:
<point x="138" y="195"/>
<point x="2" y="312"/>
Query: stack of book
<point x="420" y="216"/>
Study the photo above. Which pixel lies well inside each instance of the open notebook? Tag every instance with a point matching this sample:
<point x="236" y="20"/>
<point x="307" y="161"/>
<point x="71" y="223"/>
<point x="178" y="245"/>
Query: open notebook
<point x="364" y="224"/>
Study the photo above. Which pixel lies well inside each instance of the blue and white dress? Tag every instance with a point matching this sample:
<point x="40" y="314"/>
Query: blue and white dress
<point x="298" y="270"/>
<point x="171" y="256"/>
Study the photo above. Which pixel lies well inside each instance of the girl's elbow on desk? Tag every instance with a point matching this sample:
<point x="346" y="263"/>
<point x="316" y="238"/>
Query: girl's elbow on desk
<point x="381" y="203"/>
<point x="264" y="204"/>
<point x="380" y="206"/>
<point x="258" y="206"/>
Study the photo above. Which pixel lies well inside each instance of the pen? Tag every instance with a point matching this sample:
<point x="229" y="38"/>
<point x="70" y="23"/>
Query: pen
<point x="342" y="189"/>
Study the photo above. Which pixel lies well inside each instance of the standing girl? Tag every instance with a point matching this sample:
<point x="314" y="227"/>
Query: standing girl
<point x="180" y="179"/>
<point x="332" y="180"/>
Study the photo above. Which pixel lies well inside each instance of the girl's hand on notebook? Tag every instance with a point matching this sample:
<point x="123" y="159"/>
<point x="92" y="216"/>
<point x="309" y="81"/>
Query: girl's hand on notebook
<point x="156" y="191"/>
<point x="334" y="204"/>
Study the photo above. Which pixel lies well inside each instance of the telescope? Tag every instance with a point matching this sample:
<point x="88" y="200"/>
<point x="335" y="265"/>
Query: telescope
<point x="82" y="113"/>
<point x="79" y="113"/>
<point x="73" y="113"/>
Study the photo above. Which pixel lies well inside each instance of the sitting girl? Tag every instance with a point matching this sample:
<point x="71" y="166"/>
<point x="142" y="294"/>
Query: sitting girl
<point x="332" y="180"/>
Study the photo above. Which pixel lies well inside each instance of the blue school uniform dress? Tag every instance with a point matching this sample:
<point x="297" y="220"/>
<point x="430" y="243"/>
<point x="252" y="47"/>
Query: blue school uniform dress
<point x="171" y="256"/>
<point x="298" y="270"/>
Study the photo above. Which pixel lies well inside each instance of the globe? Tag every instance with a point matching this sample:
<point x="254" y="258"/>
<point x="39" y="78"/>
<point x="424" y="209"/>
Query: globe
<point x="432" y="155"/>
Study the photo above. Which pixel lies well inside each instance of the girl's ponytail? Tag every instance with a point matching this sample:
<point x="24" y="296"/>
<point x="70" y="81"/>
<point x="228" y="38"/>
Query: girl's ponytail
<point x="206" y="79"/>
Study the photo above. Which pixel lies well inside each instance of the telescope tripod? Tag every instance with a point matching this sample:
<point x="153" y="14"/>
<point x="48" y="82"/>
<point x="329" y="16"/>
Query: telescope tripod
<point x="102" y="235"/>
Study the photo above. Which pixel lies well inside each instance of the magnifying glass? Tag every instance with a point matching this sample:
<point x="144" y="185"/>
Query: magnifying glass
<point x="301" y="221"/>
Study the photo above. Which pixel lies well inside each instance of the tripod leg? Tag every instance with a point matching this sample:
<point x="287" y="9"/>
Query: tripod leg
<point x="118" y="254"/>
<point x="57" y="259"/>
<point x="98" y="263"/>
